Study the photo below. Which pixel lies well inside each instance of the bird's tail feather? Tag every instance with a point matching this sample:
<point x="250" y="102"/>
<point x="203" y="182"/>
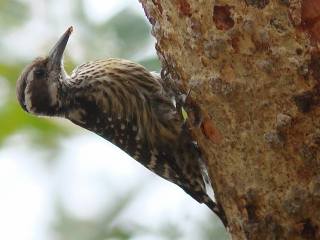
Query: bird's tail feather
<point x="217" y="209"/>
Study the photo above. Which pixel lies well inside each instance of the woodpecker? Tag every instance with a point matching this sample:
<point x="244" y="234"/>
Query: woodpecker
<point x="125" y="104"/>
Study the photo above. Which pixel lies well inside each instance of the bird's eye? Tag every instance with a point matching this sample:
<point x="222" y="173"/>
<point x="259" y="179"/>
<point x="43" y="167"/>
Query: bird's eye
<point x="39" y="73"/>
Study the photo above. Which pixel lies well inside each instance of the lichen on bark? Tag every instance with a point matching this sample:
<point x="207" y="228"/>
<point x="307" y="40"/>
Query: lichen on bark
<point x="254" y="69"/>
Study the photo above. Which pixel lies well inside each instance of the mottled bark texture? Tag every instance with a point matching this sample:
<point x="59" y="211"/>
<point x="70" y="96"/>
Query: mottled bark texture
<point x="254" y="69"/>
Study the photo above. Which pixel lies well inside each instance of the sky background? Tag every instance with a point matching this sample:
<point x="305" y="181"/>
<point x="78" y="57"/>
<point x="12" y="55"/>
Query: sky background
<point x="58" y="181"/>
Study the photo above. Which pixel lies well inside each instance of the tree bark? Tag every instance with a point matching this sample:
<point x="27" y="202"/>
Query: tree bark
<point x="254" y="70"/>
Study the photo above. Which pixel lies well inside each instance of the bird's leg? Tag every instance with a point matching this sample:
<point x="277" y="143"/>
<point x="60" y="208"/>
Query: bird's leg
<point x="191" y="110"/>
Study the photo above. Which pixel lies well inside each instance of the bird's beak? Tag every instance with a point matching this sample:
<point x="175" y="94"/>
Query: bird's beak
<point x="56" y="53"/>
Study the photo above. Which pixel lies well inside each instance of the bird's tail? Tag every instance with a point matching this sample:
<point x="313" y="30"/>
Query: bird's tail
<point x="217" y="209"/>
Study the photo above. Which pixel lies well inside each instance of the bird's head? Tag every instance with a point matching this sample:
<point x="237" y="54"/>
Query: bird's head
<point x="39" y="84"/>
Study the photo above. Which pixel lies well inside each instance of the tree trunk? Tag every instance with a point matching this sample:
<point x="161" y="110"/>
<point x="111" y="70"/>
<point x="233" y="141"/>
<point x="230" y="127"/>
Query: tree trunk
<point x="254" y="70"/>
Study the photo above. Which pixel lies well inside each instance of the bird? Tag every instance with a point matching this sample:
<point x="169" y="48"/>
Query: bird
<point x="124" y="103"/>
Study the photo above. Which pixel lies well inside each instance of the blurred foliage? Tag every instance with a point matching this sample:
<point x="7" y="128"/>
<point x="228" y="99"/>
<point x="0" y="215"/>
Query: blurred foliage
<point x="131" y="30"/>
<point x="106" y="226"/>
<point x="99" y="228"/>
<point x="13" y="13"/>
<point x="151" y="63"/>
<point x="124" y="35"/>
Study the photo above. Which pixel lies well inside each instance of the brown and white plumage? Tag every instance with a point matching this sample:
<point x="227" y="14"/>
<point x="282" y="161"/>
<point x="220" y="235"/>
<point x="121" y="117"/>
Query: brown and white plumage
<point x="125" y="104"/>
